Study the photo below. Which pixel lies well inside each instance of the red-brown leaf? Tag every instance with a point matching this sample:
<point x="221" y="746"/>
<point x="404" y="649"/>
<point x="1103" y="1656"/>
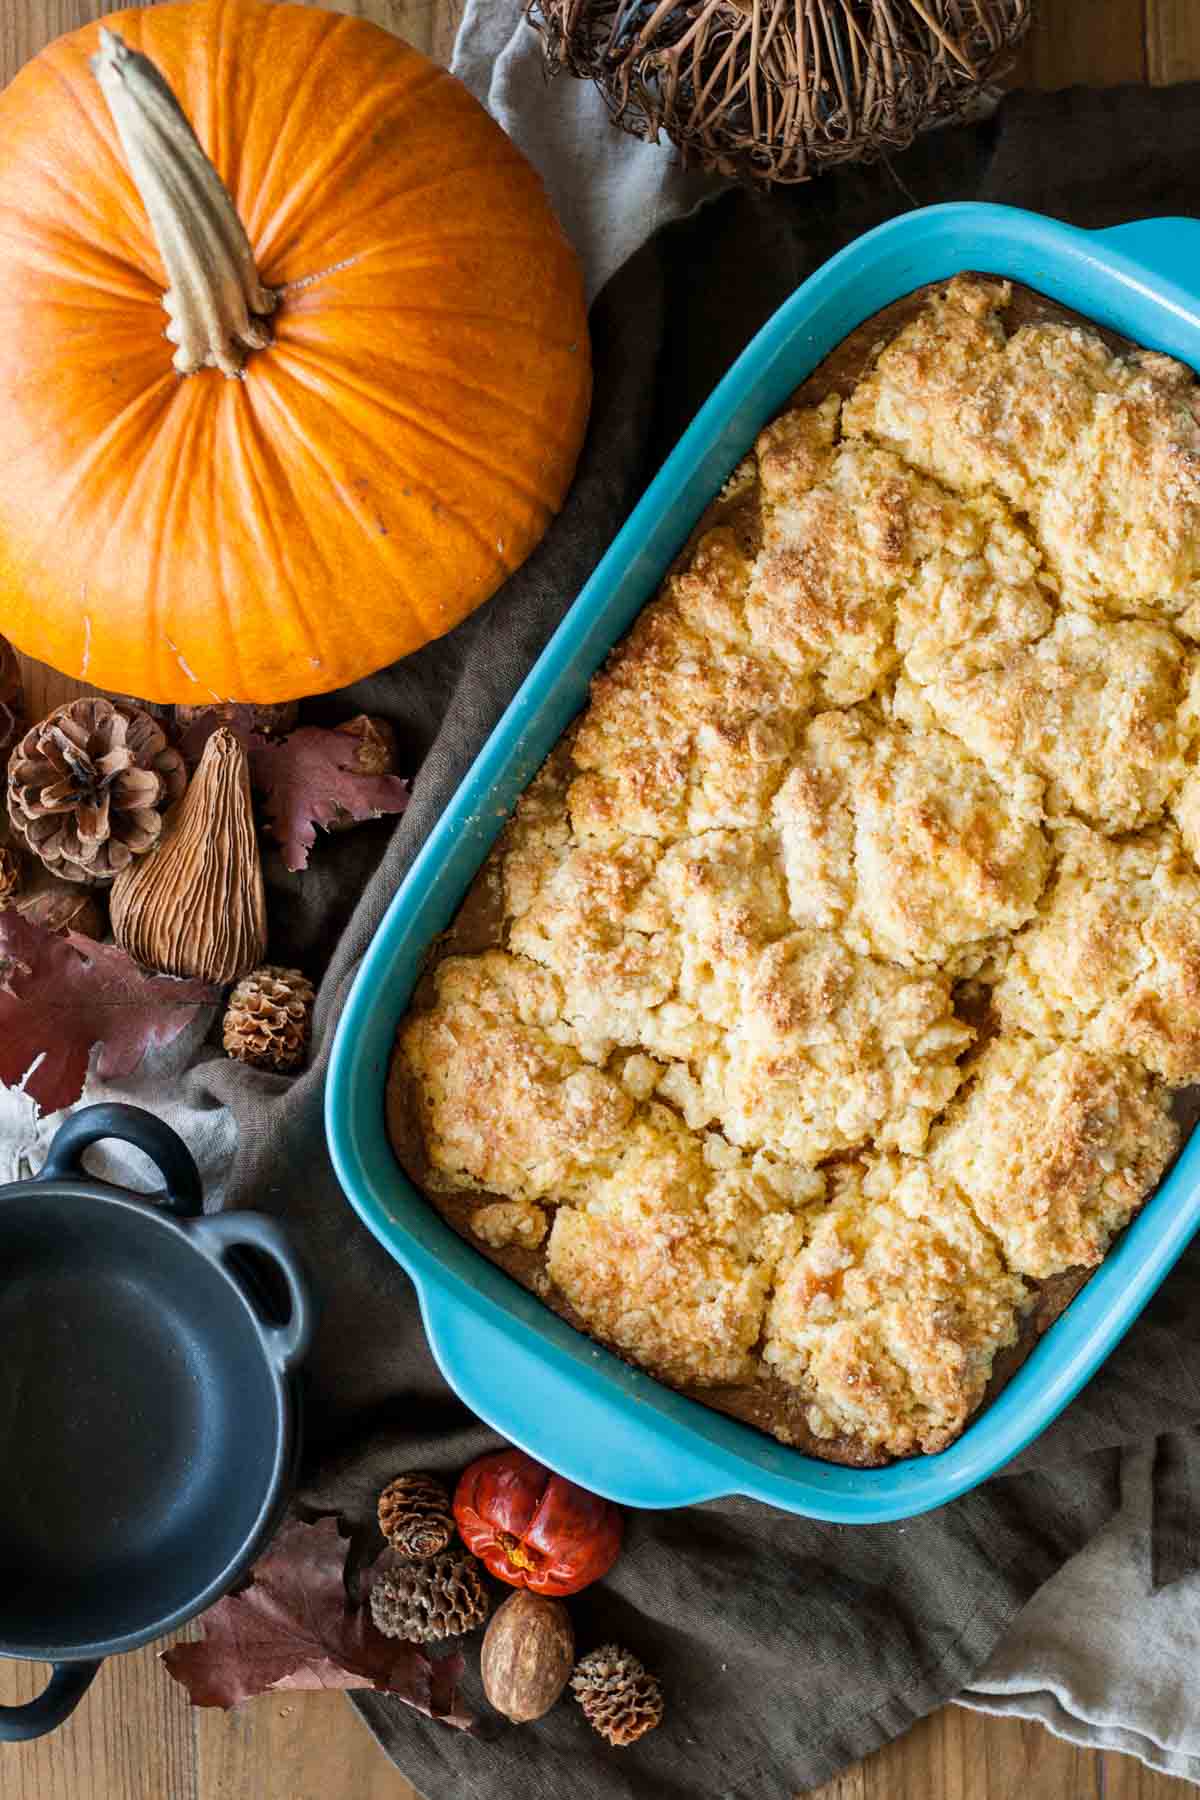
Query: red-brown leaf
<point x="305" y="780"/>
<point x="61" y="997"/>
<point x="294" y="1627"/>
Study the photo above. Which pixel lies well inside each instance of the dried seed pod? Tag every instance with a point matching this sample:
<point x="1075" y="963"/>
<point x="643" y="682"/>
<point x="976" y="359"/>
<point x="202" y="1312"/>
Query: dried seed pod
<point x="196" y="905"/>
<point x="155" y="708"/>
<point x="271" y="721"/>
<point x="620" y="1699"/>
<point x="88" y="787"/>
<point x="268" y="1021"/>
<point x="426" y="1601"/>
<point x="415" y="1515"/>
<point x="528" y="1650"/>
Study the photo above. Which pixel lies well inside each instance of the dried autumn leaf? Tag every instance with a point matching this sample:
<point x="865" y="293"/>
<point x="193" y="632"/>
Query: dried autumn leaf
<point x="294" y="1627"/>
<point x="308" y="779"/>
<point x="62" y="996"/>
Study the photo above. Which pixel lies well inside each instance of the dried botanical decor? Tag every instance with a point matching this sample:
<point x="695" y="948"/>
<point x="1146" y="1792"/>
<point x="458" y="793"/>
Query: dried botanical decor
<point x="268" y="1020"/>
<point x="88" y="787"/>
<point x="196" y="905"/>
<point x="771" y="91"/>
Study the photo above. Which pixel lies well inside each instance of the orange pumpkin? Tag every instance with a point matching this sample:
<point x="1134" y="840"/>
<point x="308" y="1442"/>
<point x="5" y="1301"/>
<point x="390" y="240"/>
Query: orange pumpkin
<point x="387" y="371"/>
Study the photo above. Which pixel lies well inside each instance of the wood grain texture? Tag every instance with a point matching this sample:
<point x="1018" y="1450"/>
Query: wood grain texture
<point x="135" y="1737"/>
<point x="1172" y="40"/>
<point x="132" y="1738"/>
<point x="1096" y="43"/>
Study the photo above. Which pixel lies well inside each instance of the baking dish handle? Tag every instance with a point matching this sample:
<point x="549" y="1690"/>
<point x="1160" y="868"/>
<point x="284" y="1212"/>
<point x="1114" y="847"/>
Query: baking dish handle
<point x="1168" y="249"/>
<point x="616" y="1445"/>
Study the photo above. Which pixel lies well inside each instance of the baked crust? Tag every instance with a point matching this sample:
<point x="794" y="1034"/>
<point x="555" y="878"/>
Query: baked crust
<point x="813" y="1026"/>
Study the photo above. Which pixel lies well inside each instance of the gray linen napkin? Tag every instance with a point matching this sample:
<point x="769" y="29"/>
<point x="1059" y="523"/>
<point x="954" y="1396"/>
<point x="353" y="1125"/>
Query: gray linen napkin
<point x="787" y="1649"/>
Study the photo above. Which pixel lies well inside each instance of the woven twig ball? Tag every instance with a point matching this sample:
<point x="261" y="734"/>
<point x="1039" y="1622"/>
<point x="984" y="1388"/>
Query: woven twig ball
<point x="770" y="90"/>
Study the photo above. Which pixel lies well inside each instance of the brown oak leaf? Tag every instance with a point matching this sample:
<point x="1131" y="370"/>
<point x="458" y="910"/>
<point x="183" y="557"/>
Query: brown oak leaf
<point x="294" y="1627"/>
<point x="61" y="997"/>
<point x="304" y="780"/>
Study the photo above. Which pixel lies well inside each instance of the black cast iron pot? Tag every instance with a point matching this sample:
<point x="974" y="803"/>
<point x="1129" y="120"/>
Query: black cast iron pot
<point x="148" y="1417"/>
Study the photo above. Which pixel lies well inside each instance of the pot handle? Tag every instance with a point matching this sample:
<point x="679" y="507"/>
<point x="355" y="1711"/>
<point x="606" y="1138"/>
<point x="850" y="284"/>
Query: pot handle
<point x="68" y="1683"/>
<point x="183" y="1195"/>
<point x="286" y="1344"/>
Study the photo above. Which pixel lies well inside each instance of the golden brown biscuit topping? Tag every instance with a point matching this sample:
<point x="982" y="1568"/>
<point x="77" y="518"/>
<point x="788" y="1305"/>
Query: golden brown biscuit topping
<point x="851" y="938"/>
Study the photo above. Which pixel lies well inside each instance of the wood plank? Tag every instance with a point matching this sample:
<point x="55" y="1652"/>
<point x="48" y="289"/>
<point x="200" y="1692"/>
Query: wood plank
<point x="292" y="1747"/>
<point x="1100" y="43"/>
<point x="1124" y="1778"/>
<point x="1173" y="40"/>
<point x="130" y="1739"/>
<point x="954" y="1754"/>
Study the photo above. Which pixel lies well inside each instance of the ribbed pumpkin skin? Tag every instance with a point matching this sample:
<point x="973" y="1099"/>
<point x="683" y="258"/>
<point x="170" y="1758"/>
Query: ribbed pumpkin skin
<point x="383" y="465"/>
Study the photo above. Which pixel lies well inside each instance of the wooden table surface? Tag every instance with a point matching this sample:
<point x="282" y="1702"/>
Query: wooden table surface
<point x="135" y="1737"/>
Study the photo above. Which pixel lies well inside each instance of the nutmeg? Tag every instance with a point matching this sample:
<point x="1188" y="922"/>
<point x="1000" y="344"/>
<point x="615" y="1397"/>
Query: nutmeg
<point x="527" y="1655"/>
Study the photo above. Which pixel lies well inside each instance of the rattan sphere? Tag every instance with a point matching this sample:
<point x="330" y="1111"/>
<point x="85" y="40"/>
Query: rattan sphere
<point x="772" y="90"/>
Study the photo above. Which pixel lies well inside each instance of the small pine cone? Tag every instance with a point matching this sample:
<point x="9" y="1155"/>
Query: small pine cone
<point x="423" y="1601"/>
<point x="12" y="874"/>
<point x="415" y="1516"/>
<point x="619" y="1698"/>
<point x="88" y="786"/>
<point x="269" y="1018"/>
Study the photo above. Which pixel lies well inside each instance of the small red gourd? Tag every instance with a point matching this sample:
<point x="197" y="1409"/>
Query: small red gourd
<point x="534" y="1529"/>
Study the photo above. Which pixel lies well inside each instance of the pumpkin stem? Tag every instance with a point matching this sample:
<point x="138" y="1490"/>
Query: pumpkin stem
<point x="216" y="302"/>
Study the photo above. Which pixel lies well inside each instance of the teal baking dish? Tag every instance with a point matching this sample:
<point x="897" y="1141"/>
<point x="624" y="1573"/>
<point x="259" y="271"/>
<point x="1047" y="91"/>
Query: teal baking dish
<point x="532" y="1377"/>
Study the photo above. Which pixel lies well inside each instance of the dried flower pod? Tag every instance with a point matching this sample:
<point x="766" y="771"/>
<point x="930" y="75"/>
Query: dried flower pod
<point x="620" y="1699"/>
<point x="12" y="700"/>
<point x="88" y="787"/>
<point x="376" y="754"/>
<point x="415" y="1515"/>
<point x="271" y="721"/>
<point x="425" y="1601"/>
<point x="528" y="1650"/>
<point x="61" y="905"/>
<point x="196" y="905"/>
<point x="268" y="1021"/>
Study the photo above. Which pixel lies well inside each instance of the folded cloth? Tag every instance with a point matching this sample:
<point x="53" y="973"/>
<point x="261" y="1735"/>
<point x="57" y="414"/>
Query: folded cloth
<point x="1101" y="1655"/>
<point x="786" y="1648"/>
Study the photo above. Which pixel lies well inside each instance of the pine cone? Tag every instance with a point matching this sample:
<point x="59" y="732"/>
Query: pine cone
<point x="422" y="1601"/>
<point x="88" y="786"/>
<point x="619" y="1698"/>
<point x="12" y="700"/>
<point x="269" y="1018"/>
<point x="415" y="1516"/>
